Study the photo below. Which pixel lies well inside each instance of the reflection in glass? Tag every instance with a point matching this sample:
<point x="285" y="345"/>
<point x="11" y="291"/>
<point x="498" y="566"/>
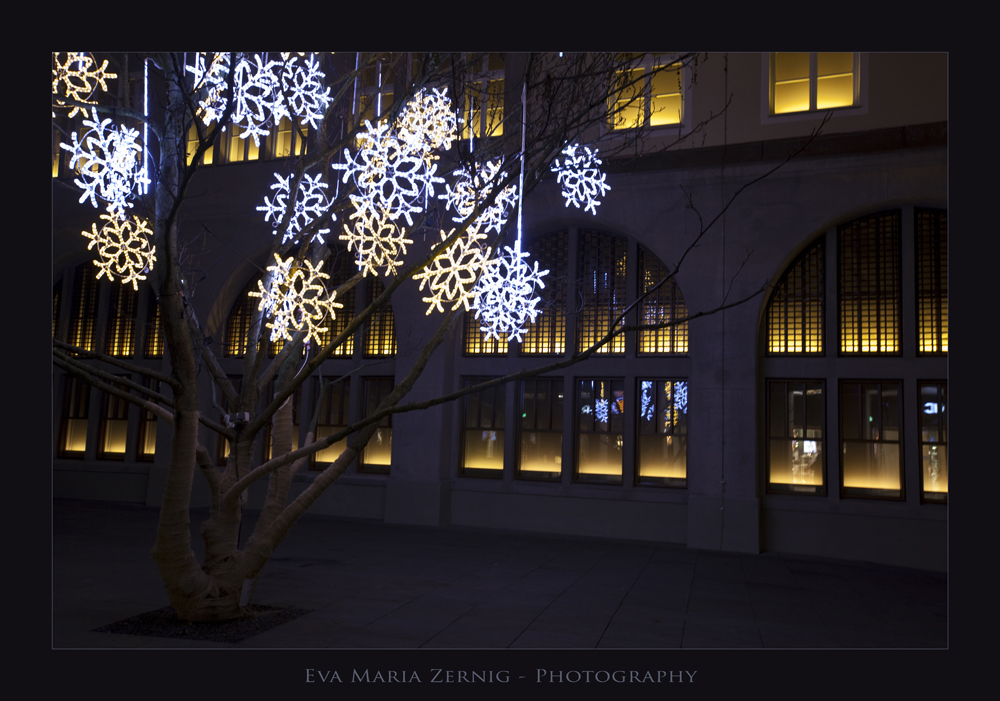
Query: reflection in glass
<point x="600" y="427"/>
<point x="662" y="450"/>
<point x="870" y="435"/>
<point x="483" y="424"/>
<point x="934" y="440"/>
<point x="796" y="416"/>
<point x="541" y="427"/>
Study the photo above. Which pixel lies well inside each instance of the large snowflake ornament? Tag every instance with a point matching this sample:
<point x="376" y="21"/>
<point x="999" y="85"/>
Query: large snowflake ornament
<point x="79" y="79"/>
<point x="109" y="163"/>
<point x="451" y="276"/>
<point x="296" y="299"/>
<point x="310" y="204"/>
<point x="471" y="189"/>
<point x="304" y="87"/>
<point x="258" y="97"/>
<point x="211" y="76"/>
<point x="376" y="239"/>
<point x="581" y="178"/>
<point x="123" y="248"/>
<point x="505" y="298"/>
<point x="427" y="122"/>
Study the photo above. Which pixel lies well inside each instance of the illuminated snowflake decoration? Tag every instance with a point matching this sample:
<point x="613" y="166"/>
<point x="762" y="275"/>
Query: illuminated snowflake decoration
<point x="310" y="204"/>
<point x="581" y="178"/>
<point x="470" y="189"/>
<point x="452" y="275"/>
<point x="79" y="81"/>
<point x="389" y="173"/>
<point x="108" y="158"/>
<point x="296" y="299"/>
<point x="256" y="85"/>
<point x="681" y="396"/>
<point x="123" y="248"/>
<point x="212" y="78"/>
<point x="505" y="299"/>
<point x="304" y="87"/>
<point x="647" y="408"/>
<point x="428" y="121"/>
<point x="601" y="410"/>
<point x="376" y="240"/>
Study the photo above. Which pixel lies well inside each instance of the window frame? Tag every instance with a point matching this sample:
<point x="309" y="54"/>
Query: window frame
<point x="674" y="305"/>
<point x="938" y="297"/>
<point x="791" y="488"/>
<point x="498" y="411"/>
<point x="874" y="493"/>
<point x="486" y="78"/>
<point x="147" y="424"/>
<point x="767" y="115"/>
<point x="382" y="386"/>
<point x="650" y="63"/>
<point x="659" y="481"/>
<point x="597" y="478"/>
<point x="79" y="410"/>
<point x="927" y="497"/>
<point x="325" y="409"/>
<point x="799" y="267"/>
<point x="555" y="423"/>
<point x="120" y="407"/>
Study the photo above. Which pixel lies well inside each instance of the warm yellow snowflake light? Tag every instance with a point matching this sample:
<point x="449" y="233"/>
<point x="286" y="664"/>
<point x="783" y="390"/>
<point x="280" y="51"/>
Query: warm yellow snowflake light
<point x="80" y="82"/>
<point x="452" y="275"/>
<point x="375" y="238"/>
<point x="123" y="247"/>
<point x="296" y="299"/>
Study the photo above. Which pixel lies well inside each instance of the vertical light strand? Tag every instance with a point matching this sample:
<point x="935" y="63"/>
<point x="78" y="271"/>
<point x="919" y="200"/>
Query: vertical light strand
<point x="520" y="176"/>
<point x="145" y="126"/>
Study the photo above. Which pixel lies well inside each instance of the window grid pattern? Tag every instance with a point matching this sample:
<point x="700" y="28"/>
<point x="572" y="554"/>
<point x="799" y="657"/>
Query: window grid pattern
<point x="547" y="335"/>
<point x="870" y="290"/>
<point x="795" y="313"/>
<point x="933" y="415"/>
<point x="120" y="338"/>
<point x="483" y="429"/>
<point x="870" y="427"/>
<point x="377" y="454"/>
<point x="340" y="272"/>
<point x="153" y="347"/>
<point x="113" y="427"/>
<point x="932" y="281"/>
<point x="381" y="340"/>
<point x="334" y="415"/>
<point x="540" y="455"/>
<point x="601" y="285"/>
<point x="83" y="323"/>
<point x="664" y="305"/>
<point x="662" y="421"/>
<point x="76" y="406"/>
<point x="600" y="429"/>
<point x="485" y="87"/>
<point x="238" y="325"/>
<point x="796" y="417"/>
<point x="477" y="342"/>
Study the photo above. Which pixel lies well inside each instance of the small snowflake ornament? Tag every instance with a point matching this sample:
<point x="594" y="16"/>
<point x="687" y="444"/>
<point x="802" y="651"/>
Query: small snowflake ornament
<point x="376" y="240"/>
<point x="681" y="396"/>
<point x="451" y="277"/>
<point x="123" y="248"/>
<point x="505" y="298"/>
<point x="427" y="122"/>
<point x="79" y="81"/>
<point x="304" y="86"/>
<point x="581" y="178"/>
<point x="472" y="188"/>
<point x="108" y="158"/>
<point x="310" y="204"/>
<point x="296" y="299"/>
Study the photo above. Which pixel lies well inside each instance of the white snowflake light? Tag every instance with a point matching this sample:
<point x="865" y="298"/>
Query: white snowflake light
<point x="296" y="298"/>
<point x="601" y="410"/>
<point x="681" y="396"/>
<point x="257" y="88"/>
<point x="427" y="122"/>
<point x="647" y="408"/>
<point x="123" y="248"/>
<point x="310" y="204"/>
<point x="452" y="275"/>
<point x="109" y="163"/>
<point x="375" y="238"/>
<point x="470" y="189"/>
<point x="505" y="299"/>
<point x="79" y="81"/>
<point x="581" y="178"/>
<point x="304" y="87"/>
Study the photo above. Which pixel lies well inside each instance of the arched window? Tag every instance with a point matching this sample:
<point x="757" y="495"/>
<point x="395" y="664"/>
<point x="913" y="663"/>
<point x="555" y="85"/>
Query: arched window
<point x="120" y="334"/>
<point x="547" y="336"/>
<point x="83" y="323"/>
<point x="601" y="287"/>
<point x="795" y="312"/>
<point x="932" y="281"/>
<point x="664" y="305"/>
<point x="870" y="289"/>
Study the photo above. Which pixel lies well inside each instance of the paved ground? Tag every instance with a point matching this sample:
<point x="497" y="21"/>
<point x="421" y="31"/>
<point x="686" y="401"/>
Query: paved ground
<point x="372" y="585"/>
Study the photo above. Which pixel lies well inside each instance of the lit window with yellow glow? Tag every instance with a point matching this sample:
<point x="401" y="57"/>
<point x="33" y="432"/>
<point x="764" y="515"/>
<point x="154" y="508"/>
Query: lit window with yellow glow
<point x="146" y="450"/>
<point x="475" y="341"/>
<point x="601" y="288"/>
<point x="649" y="93"/>
<point x="341" y="270"/>
<point x="663" y="305"/>
<point x="547" y="335"/>
<point x="795" y="312"/>
<point x="153" y="345"/>
<point x="120" y="339"/>
<point x="540" y="429"/>
<point x="662" y="450"/>
<point x="239" y="148"/>
<point x="600" y="426"/>
<point x="73" y="432"/>
<point x="381" y="339"/>
<point x="870" y="288"/>
<point x="289" y="139"/>
<point x="796" y="416"/>
<point x="932" y="408"/>
<point x="377" y="454"/>
<point x="932" y="281"/>
<point x="192" y="147"/>
<point x="870" y="428"/>
<point x="484" y="87"/>
<point x="804" y="82"/>
<point x="334" y="415"/>
<point x="483" y="430"/>
<point x="83" y="322"/>
<point x="222" y="444"/>
<point x="113" y="427"/>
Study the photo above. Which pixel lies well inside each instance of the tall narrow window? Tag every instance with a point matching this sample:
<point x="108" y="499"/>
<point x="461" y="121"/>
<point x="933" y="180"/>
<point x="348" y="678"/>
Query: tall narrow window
<point x="120" y="338"/>
<point x="601" y="285"/>
<point x="375" y="90"/>
<point x="223" y="446"/>
<point x="377" y="455"/>
<point x="547" y="335"/>
<point x="341" y="270"/>
<point x="240" y="146"/>
<point x="147" y="428"/>
<point x="933" y="441"/>
<point x="664" y="305"/>
<point x="541" y="428"/>
<point x="238" y="324"/>
<point x="73" y="433"/>
<point x="662" y="449"/>
<point x="802" y="82"/>
<point x="796" y="417"/>
<point x="483" y="430"/>
<point x="650" y="93"/>
<point x="795" y="312"/>
<point x="870" y="426"/>
<point x="600" y="407"/>
<point x="113" y="427"/>
<point x="192" y="147"/>
<point x="334" y="415"/>
<point x="381" y="339"/>
<point x="870" y="290"/>
<point x="83" y="323"/>
<point x="153" y="347"/>
<point x="289" y="138"/>
<point x="482" y="106"/>
<point x="932" y="281"/>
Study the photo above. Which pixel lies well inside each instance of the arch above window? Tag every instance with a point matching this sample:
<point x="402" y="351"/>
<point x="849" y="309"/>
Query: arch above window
<point x="796" y="309"/>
